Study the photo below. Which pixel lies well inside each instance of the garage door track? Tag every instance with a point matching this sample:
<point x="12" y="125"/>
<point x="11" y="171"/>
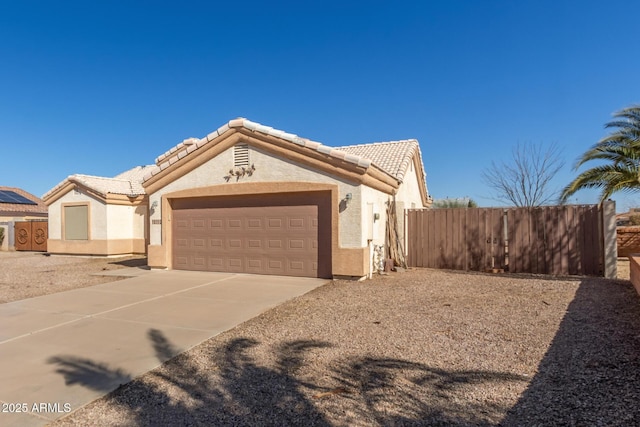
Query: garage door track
<point x="59" y="352"/>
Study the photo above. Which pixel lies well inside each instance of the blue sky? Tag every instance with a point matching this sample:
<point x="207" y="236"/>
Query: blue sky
<point x="100" y="87"/>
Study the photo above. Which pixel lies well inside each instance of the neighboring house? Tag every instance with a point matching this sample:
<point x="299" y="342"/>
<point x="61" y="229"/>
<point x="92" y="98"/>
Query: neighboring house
<point x="17" y="205"/>
<point x="250" y="198"/>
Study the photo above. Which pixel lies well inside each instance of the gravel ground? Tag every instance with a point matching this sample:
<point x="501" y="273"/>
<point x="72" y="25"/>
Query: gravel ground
<point x="31" y="274"/>
<point x="424" y="347"/>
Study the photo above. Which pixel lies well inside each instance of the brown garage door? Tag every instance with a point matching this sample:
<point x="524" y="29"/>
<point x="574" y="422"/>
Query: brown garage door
<point x="281" y="240"/>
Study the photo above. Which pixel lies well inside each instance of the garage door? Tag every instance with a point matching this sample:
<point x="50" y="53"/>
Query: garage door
<point x="280" y="240"/>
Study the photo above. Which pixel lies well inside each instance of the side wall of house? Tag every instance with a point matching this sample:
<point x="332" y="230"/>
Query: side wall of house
<point x="407" y="197"/>
<point x="112" y="229"/>
<point x="374" y="205"/>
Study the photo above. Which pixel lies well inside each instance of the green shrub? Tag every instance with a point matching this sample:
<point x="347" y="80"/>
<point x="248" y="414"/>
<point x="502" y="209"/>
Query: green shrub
<point x="1" y="235"/>
<point x="463" y="202"/>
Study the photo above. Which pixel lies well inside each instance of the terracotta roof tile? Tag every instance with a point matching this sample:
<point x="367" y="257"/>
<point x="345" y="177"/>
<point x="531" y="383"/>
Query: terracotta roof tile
<point x="392" y="157"/>
<point x="40" y="208"/>
<point x="128" y="183"/>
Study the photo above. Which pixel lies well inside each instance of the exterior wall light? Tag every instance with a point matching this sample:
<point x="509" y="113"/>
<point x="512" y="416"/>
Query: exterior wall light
<point x="348" y="197"/>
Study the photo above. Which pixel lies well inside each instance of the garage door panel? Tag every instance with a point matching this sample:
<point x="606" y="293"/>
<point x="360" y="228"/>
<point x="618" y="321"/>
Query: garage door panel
<point x="216" y="263"/>
<point x="255" y="224"/>
<point x="296" y="244"/>
<point x="255" y="245"/>
<point x="275" y="224"/>
<point x="235" y="264"/>
<point x="280" y="240"/>
<point x="216" y="224"/>
<point x="234" y="244"/>
<point x="274" y="244"/>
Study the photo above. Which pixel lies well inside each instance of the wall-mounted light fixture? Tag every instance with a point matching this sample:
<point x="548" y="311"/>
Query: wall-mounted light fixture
<point x="348" y="197"/>
<point x="376" y="217"/>
<point x="154" y="204"/>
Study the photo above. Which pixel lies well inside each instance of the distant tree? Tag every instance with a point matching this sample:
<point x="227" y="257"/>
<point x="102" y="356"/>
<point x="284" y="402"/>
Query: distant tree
<point x="621" y="153"/>
<point x="464" y="202"/>
<point x="525" y="180"/>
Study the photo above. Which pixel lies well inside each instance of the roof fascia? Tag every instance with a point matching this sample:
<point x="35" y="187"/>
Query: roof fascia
<point x="124" y="200"/>
<point x="70" y="184"/>
<point x="421" y="176"/>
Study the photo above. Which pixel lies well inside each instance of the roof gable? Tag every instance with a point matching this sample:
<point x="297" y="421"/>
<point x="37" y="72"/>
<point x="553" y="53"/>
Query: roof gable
<point x="383" y="163"/>
<point x="128" y="183"/>
<point x="190" y="145"/>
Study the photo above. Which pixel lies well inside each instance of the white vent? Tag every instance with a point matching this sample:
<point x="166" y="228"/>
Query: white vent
<point x="241" y="155"/>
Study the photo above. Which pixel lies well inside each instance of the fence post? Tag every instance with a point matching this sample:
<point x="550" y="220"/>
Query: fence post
<point x="609" y="235"/>
<point x="12" y="236"/>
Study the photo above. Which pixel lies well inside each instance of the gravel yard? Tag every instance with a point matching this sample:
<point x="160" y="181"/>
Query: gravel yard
<point x="31" y="274"/>
<point x="424" y="347"/>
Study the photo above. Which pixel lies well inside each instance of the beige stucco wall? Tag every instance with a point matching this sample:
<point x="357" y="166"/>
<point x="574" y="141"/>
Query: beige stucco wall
<point x="113" y="229"/>
<point x="269" y="168"/>
<point x="97" y="215"/>
<point x="373" y="201"/>
<point x="407" y="197"/>
<point x="126" y="222"/>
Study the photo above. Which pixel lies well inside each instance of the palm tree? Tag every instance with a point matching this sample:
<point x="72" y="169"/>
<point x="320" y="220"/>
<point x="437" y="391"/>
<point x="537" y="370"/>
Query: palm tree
<point x="621" y="153"/>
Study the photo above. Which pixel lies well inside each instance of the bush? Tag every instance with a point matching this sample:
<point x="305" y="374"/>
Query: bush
<point x="463" y="202"/>
<point x="1" y="235"/>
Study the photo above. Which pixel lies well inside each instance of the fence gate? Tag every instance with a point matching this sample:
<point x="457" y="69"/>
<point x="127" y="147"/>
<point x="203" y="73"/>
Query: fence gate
<point x="546" y="240"/>
<point x="31" y="236"/>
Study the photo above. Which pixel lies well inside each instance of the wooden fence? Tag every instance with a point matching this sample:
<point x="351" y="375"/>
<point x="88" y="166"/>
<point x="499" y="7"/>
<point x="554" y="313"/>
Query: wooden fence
<point x="561" y="240"/>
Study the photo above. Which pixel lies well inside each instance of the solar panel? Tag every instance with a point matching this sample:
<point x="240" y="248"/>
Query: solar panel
<point x="7" y="196"/>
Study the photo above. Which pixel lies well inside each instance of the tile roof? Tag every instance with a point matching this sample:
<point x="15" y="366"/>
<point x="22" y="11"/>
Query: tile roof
<point x="391" y="157"/>
<point x="128" y="183"/>
<point x="9" y="208"/>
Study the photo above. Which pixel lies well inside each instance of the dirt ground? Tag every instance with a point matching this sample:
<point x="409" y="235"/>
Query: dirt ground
<point x="424" y="347"/>
<point x="31" y="274"/>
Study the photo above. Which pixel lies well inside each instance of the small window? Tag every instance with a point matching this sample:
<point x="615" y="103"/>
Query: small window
<point x="76" y="222"/>
<point x="241" y="155"/>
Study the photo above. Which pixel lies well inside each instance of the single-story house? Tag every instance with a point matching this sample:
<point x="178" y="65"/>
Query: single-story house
<point x="17" y="205"/>
<point x="245" y="198"/>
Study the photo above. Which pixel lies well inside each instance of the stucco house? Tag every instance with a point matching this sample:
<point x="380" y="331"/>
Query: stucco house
<point x="245" y="198"/>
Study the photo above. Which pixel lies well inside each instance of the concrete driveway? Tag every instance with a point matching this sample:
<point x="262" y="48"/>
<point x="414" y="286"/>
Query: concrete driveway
<point x="59" y="352"/>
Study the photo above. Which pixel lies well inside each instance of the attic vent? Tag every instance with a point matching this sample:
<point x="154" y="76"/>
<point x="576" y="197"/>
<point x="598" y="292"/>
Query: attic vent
<point x="241" y="155"/>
